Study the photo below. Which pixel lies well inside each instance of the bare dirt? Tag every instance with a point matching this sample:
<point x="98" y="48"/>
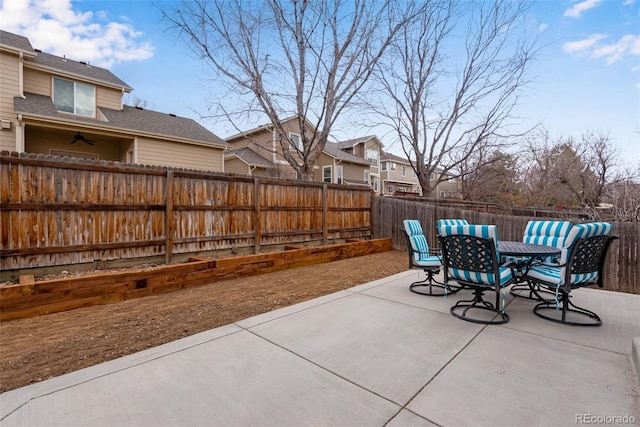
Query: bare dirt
<point x="33" y="350"/>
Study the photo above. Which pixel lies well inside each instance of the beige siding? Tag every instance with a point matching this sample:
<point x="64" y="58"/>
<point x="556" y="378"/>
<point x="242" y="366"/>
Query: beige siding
<point x="235" y="165"/>
<point x="166" y="153"/>
<point x="36" y="81"/>
<point x="108" y="98"/>
<point x="9" y="88"/>
<point x="49" y="141"/>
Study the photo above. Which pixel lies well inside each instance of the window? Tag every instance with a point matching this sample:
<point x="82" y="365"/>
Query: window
<point x="442" y="194"/>
<point x="339" y="174"/>
<point x="432" y="176"/>
<point x="404" y="170"/>
<point x="390" y="189"/>
<point x="372" y="156"/>
<point x="326" y="174"/>
<point x="393" y="166"/>
<point x="384" y="166"/>
<point x="366" y="176"/>
<point x="296" y="141"/>
<point x="75" y="98"/>
<point x="375" y="184"/>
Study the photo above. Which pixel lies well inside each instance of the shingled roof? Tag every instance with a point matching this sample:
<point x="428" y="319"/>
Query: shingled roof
<point x="250" y="157"/>
<point x="15" y="41"/>
<point x="333" y="150"/>
<point x="130" y="119"/>
<point x="62" y="65"/>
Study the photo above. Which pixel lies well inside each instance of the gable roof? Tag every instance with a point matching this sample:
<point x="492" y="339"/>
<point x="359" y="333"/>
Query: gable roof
<point x="129" y="119"/>
<point x="333" y="149"/>
<point x="394" y="158"/>
<point x="250" y="157"/>
<point x="15" y="42"/>
<point x="264" y="127"/>
<point x="355" y="141"/>
<point x="59" y="65"/>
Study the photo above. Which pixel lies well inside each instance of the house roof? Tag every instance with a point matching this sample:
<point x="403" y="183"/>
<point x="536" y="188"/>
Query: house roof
<point x="264" y="127"/>
<point x="129" y="119"/>
<point x="64" y="66"/>
<point x="15" y="41"/>
<point x="351" y="142"/>
<point x="394" y="158"/>
<point x="333" y="149"/>
<point x="250" y="157"/>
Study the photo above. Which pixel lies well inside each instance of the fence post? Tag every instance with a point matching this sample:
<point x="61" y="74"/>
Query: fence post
<point x="257" y="239"/>
<point x="324" y="214"/>
<point x="168" y="217"/>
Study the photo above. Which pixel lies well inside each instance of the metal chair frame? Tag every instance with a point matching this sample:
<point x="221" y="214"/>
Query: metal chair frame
<point x="479" y="255"/>
<point x="429" y="286"/>
<point x="587" y="256"/>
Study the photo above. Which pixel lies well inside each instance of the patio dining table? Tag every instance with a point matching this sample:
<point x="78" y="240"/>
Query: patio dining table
<point x="530" y="253"/>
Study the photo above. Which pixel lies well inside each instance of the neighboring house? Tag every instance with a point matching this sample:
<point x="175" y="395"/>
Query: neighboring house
<point x="369" y="148"/>
<point x="397" y="175"/>
<point x="257" y="152"/>
<point x="54" y="105"/>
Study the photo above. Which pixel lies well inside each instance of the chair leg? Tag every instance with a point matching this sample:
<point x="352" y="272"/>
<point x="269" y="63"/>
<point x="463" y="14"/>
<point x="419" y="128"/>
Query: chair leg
<point x="461" y="309"/>
<point x="531" y="291"/>
<point x="547" y="310"/>
<point x="431" y="287"/>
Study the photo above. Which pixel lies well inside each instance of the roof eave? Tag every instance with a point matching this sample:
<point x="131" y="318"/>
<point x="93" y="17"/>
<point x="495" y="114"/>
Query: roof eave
<point x="60" y="72"/>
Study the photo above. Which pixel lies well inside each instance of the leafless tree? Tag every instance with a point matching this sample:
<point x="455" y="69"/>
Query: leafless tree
<point x="283" y="59"/>
<point x="452" y="80"/>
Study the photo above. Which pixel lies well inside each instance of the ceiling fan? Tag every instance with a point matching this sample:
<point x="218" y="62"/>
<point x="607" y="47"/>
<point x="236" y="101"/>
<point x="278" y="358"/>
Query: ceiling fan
<point x="80" y="137"/>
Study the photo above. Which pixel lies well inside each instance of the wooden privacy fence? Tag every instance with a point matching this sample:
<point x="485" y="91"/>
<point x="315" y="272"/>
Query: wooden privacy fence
<point x="622" y="270"/>
<point x="56" y="211"/>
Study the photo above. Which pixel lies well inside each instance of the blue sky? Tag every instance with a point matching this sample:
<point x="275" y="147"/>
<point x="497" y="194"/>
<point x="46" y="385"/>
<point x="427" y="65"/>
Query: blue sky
<point x="587" y="78"/>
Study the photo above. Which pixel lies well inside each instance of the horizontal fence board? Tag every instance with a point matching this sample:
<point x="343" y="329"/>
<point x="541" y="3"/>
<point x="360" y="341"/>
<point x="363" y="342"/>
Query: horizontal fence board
<point x="56" y="212"/>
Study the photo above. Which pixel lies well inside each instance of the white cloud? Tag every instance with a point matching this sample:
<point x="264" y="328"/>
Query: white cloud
<point x="582" y="45"/>
<point x="628" y="45"/>
<point x="579" y="8"/>
<point x="54" y="27"/>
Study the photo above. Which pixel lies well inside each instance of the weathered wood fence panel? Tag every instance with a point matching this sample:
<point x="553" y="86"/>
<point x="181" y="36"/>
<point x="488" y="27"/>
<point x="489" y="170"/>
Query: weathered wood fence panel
<point x="56" y="211"/>
<point x="622" y="270"/>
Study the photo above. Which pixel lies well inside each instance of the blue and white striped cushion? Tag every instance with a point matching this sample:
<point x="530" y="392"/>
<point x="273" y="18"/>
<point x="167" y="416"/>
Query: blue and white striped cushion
<point x="472" y="276"/>
<point x="549" y="233"/>
<point x="451" y="222"/>
<point x="419" y="245"/>
<point x="555" y="275"/>
<point x="412" y="226"/>
<point x="582" y="231"/>
<point x="486" y="232"/>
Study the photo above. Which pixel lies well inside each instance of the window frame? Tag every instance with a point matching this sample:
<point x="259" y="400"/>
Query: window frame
<point x="324" y="177"/>
<point x="74" y="99"/>
<point x="392" y="166"/>
<point x="339" y="174"/>
<point x="300" y="146"/>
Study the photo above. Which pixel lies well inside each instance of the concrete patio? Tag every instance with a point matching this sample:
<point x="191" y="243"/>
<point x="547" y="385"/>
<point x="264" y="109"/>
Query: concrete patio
<point x="372" y="355"/>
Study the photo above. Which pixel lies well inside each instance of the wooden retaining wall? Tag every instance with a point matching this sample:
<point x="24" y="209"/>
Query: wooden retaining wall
<point x="56" y="212"/>
<point x="50" y="296"/>
<point x="622" y="270"/>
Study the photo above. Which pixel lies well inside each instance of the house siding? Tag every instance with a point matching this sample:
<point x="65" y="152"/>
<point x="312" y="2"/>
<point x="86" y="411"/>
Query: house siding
<point x="235" y="165"/>
<point x="108" y="98"/>
<point x="10" y="87"/>
<point x="47" y="141"/>
<point x="38" y="82"/>
<point x="175" y="154"/>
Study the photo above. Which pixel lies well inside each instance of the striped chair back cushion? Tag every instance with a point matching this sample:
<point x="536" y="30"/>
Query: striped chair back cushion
<point x="419" y="245"/>
<point x="549" y="233"/>
<point x="451" y="222"/>
<point x="412" y="227"/>
<point x="581" y="231"/>
<point x="486" y="232"/>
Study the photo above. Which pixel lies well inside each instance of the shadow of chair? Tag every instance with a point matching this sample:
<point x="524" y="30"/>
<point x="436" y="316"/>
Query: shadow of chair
<point x="581" y="264"/>
<point x="470" y="257"/>
<point x="422" y="257"/>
